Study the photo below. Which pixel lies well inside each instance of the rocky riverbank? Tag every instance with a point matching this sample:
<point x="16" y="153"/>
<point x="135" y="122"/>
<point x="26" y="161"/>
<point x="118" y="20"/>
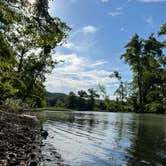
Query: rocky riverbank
<point x="20" y="140"/>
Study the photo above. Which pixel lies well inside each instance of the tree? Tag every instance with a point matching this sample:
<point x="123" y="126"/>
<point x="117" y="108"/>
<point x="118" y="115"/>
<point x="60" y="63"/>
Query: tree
<point x="7" y="56"/>
<point x="102" y="91"/>
<point x="92" y="95"/>
<point x="105" y="101"/>
<point x="59" y="103"/>
<point x="122" y="92"/>
<point x="133" y="56"/>
<point x="31" y="34"/>
<point x="116" y="75"/>
<point x="153" y="70"/>
<point x="72" y="101"/>
<point x="82" y="100"/>
<point x="163" y="30"/>
<point x="147" y="62"/>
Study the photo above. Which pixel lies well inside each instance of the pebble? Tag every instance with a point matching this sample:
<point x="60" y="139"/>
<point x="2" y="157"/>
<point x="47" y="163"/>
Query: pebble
<point x="19" y="140"/>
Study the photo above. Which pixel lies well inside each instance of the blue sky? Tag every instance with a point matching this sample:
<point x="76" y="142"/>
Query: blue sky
<point x="100" y="30"/>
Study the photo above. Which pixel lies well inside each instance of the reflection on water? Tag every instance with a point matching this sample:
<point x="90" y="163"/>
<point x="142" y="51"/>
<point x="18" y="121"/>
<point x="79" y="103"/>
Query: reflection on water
<point x="102" y="139"/>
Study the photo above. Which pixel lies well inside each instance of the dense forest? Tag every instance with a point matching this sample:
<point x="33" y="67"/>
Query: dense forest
<point x="28" y="36"/>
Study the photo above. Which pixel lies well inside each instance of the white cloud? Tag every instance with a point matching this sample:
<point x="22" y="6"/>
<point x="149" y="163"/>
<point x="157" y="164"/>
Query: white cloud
<point x="68" y="45"/>
<point x="115" y="13"/>
<point x="89" y="29"/>
<point x="82" y="46"/>
<point x="99" y="63"/>
<point x="82" y="43"/>
<point x="77" y="73"/>
<point x="148" y="1"/>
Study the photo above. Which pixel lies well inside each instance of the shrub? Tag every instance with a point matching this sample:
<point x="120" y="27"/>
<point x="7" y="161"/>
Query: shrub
<point x="14" y="105"/>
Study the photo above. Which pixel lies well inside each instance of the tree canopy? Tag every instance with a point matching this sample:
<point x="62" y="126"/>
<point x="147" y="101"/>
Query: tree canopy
<point x="28" y="36"/>
<point x="147" y="61"/>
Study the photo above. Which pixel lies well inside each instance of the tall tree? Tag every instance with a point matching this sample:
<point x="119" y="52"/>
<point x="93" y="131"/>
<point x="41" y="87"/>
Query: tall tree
<point x="153" y="70"/>
<point x="147" y="62"/>
<point x="102" y="91"/>
<point x="133" y="56"/>
<point x="122" y="92"/>
<point x="82" y="100"/>
<point x="8" y="16"/>
<point x="92" y="96"/>
<point x="32" y="34"/>
<point x="72" y="101"/>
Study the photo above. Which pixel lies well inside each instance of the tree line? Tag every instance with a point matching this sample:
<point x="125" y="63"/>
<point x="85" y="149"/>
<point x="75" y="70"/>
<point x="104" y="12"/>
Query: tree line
<point x="82" y="100"/>
<point x="147" y="90"/>
<point x="94" y="99"/>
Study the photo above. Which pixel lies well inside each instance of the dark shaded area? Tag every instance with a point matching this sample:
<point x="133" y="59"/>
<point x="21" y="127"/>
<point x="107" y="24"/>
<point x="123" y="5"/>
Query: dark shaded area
<point x="149" y="144"/>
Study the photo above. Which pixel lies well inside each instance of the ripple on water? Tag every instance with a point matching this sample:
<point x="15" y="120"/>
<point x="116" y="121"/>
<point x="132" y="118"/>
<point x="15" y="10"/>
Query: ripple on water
<point x="106" y="139"/>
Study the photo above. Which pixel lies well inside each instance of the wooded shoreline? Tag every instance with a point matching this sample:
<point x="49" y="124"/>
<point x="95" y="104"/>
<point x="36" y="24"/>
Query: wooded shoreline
<point x="59" y="109"/>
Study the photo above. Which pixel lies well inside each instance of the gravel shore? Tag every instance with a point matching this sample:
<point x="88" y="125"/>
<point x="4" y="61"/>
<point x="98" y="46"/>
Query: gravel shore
<point x="20" y="140"/>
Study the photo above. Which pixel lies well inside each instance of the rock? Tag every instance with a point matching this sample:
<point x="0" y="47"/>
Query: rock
<point x="33" y="163"/>
<point x="33" y="155"/>
<point x="44" y="134"/>
<point x="12" y="155"/>
<point x="43" y="145"/>
<point x="48" y="159"/>
<point x="57" y="156"/>
<point x="20" y="140"/>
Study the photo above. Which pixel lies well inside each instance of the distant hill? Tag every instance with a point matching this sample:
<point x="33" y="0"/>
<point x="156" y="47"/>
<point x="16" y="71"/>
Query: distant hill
<point x="52" y="98"/>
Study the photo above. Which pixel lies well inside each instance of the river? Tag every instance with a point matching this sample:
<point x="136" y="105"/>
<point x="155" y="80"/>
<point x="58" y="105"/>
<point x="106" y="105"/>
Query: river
<point x="106" y="139"/>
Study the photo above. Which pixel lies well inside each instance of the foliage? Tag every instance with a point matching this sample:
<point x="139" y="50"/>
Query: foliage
<point x="81" y="101"/>
<point x="59" y="103"/>
<point x="14" y="105"/>
<point x="52" y="98"/>
<point x="147" y="62"/>
<point x="155" y="107"/>
<point x="28" y="35"/>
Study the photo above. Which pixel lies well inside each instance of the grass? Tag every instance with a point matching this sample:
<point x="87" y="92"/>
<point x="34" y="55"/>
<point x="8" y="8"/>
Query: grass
<point x="51" y="109"/>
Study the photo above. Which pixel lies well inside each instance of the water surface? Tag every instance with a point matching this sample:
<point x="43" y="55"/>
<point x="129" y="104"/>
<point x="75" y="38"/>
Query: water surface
<point x="106" y="139"/>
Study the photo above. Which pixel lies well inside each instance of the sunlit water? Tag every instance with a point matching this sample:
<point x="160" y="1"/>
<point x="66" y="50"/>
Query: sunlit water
<point x="106" y="139"/>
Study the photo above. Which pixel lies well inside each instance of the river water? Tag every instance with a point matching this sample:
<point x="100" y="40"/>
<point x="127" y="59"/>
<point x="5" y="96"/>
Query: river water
<point x="106" y="139"/>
